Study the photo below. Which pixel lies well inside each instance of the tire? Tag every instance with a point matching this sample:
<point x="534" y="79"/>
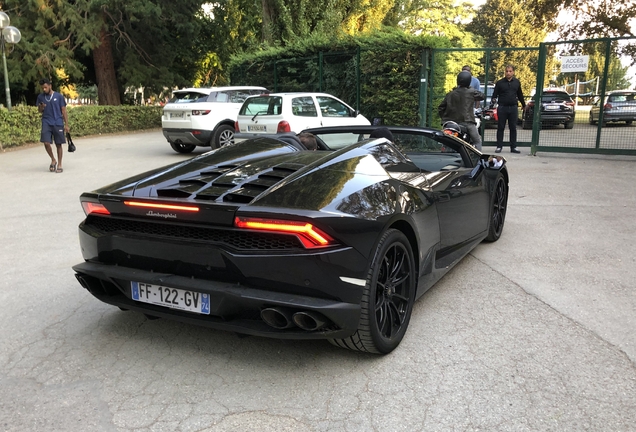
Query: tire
<point x="498" y="206"/>
<point x="223" y="135"/>
<point x="592" y="122"/>
<point x="182" y="148"/>
<point x="387" y="299"/>
<point x="569" y="125"/>
<point x="628" y="122"/>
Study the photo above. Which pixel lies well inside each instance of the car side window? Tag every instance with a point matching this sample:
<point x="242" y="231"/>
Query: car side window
<point x="430" y="153"/>
<point x="304" y="107"/>
<point x="408" y="143"/>
<point x="188" y="97"/>
<point x="330" y="107"/>
<point x="239" y="96"/>
<point x="222" y="97"/>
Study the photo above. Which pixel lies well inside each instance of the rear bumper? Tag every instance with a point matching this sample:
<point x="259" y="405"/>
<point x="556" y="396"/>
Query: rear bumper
<point x="233" y="307"/>
<point x="240" y="284"/>
<point x="619" y="116"/>
<point x="551" y="117"/>
<point x="196" y="137"/>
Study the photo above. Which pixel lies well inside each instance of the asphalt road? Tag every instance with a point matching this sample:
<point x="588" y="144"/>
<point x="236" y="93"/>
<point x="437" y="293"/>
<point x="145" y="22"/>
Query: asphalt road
<point x="535" y="332"/>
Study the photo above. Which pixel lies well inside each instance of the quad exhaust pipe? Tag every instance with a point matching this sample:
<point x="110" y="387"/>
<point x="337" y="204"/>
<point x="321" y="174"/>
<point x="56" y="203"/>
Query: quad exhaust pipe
<point x="281" y="318"/>
<point x="309" y="321"/>
<point x="277" y="318"/>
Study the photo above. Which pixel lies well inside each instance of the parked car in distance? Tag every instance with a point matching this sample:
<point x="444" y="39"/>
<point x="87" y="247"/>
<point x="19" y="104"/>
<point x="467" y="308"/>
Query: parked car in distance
<point x="619" y="106"/>
<point x="293" y="112"/>
<point x="488" y="90"/>
<point x="557" y="107"/>
<point x="203" y="116"/>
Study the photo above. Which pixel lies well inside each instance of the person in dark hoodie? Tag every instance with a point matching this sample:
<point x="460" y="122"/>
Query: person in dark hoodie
<point x="459" y="106"/>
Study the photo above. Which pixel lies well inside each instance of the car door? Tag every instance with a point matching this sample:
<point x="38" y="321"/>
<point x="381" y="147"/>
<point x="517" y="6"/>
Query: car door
<point x="463" y="203"/>
<point x="334" y="112"/>
<point x="462" y="200"/>
<point x="305" y="114"/>
<point x="594" y="111"/>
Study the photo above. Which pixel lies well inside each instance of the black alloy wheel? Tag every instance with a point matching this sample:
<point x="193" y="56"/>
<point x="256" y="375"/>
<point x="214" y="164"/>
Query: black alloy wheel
<point x="387" y="299"/>
<point x="223" y="135"/>
<point x="498" y="206"/>
<point x="182" y="148"/>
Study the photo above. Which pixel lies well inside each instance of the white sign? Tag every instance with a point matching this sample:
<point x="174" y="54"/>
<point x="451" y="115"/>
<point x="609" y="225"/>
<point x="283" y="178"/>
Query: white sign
<point x="574" y="63"/>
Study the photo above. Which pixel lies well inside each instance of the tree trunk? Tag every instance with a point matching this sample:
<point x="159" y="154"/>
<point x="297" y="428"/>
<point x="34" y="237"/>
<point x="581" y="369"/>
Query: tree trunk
<point x="268" y="20"/>
<point x="107" y="90"/>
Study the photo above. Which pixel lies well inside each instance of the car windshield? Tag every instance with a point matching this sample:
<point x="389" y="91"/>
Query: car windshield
<point x="624" y="97"/>
<point x="188" y="97"/>
<point x="262" y="105"/>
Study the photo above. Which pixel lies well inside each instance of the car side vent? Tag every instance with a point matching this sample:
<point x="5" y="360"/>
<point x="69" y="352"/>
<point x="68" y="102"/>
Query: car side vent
<point x="245" y="194"/>
<point x="213" y="192"/>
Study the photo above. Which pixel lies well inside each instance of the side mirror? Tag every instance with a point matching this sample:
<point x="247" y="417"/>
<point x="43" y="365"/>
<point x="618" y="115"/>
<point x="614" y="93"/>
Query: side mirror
<point x="488" y="163"/>
<point x="495" y="162"/>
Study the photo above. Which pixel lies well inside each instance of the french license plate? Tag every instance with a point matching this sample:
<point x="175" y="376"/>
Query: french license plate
<point x="256" y="128"/>
<point x="176" y="115"/>
<point x="174" y="298"/>
<point x="552" y="107"/>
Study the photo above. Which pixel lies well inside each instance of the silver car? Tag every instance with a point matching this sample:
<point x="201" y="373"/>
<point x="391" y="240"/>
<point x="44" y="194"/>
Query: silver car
<point x="619" y="106"/>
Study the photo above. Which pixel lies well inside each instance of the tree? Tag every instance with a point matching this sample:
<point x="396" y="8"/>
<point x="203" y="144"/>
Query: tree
<point x="507" y="24"/>
<point x="600" y="18"/>
<point x="115" y="43"/>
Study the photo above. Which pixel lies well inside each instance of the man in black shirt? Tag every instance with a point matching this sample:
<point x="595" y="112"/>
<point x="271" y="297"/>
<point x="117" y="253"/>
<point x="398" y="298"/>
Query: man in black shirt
<point x="508" y="94"/>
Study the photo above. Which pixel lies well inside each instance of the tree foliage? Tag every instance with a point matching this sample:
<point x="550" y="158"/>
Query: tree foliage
<point x="153" y="43"/>
<point x="599" y="18"/>
<point x="506" y="24"/>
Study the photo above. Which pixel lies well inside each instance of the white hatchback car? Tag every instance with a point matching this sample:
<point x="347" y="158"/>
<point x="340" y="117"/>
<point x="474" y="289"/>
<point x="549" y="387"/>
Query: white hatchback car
<point x="203" y="116"/>
<point x="293" y="112"/>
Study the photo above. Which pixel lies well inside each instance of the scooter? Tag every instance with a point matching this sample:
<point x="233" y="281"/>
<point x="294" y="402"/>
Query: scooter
<point x="489" y="115"/>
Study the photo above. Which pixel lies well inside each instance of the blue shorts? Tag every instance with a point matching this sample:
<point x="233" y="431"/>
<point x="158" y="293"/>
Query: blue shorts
<point x="52" y="133"/>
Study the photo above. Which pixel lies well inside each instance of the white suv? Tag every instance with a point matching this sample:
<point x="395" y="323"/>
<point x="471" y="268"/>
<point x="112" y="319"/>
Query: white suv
<point x="293" y="112"/>
<point x="203" y="116"/>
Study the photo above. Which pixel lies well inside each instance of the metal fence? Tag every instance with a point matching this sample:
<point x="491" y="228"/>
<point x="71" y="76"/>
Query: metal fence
<point x="600" y="125"/>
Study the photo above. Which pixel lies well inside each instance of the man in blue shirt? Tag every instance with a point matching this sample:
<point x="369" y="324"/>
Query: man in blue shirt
<point x="474" y="82"/>
<point x="54" y="123"/>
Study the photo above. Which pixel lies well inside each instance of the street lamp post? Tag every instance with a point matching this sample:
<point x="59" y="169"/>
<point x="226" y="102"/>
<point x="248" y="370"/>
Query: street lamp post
<point x="8" y="34"/>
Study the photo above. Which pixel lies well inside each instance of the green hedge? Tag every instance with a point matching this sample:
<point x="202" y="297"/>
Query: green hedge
<point x="390" y="71"/>
<point x="22" y="124"/>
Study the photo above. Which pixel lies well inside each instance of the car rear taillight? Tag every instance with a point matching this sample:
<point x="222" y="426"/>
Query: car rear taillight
<point x="200" y="112"/>
<point x="92" y="207"/>
<point x="160" y="206"/>
<point x="530" y="104"/>
<point x="570" y="104"/>
<point x="309" y="235"/>
<point x="607" y="106"/>
<point x="236" y="127"/>
<point x="283" y="126"/>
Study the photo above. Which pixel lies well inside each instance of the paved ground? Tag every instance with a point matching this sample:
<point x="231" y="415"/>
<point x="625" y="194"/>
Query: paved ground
<point x="533" y="333"/>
